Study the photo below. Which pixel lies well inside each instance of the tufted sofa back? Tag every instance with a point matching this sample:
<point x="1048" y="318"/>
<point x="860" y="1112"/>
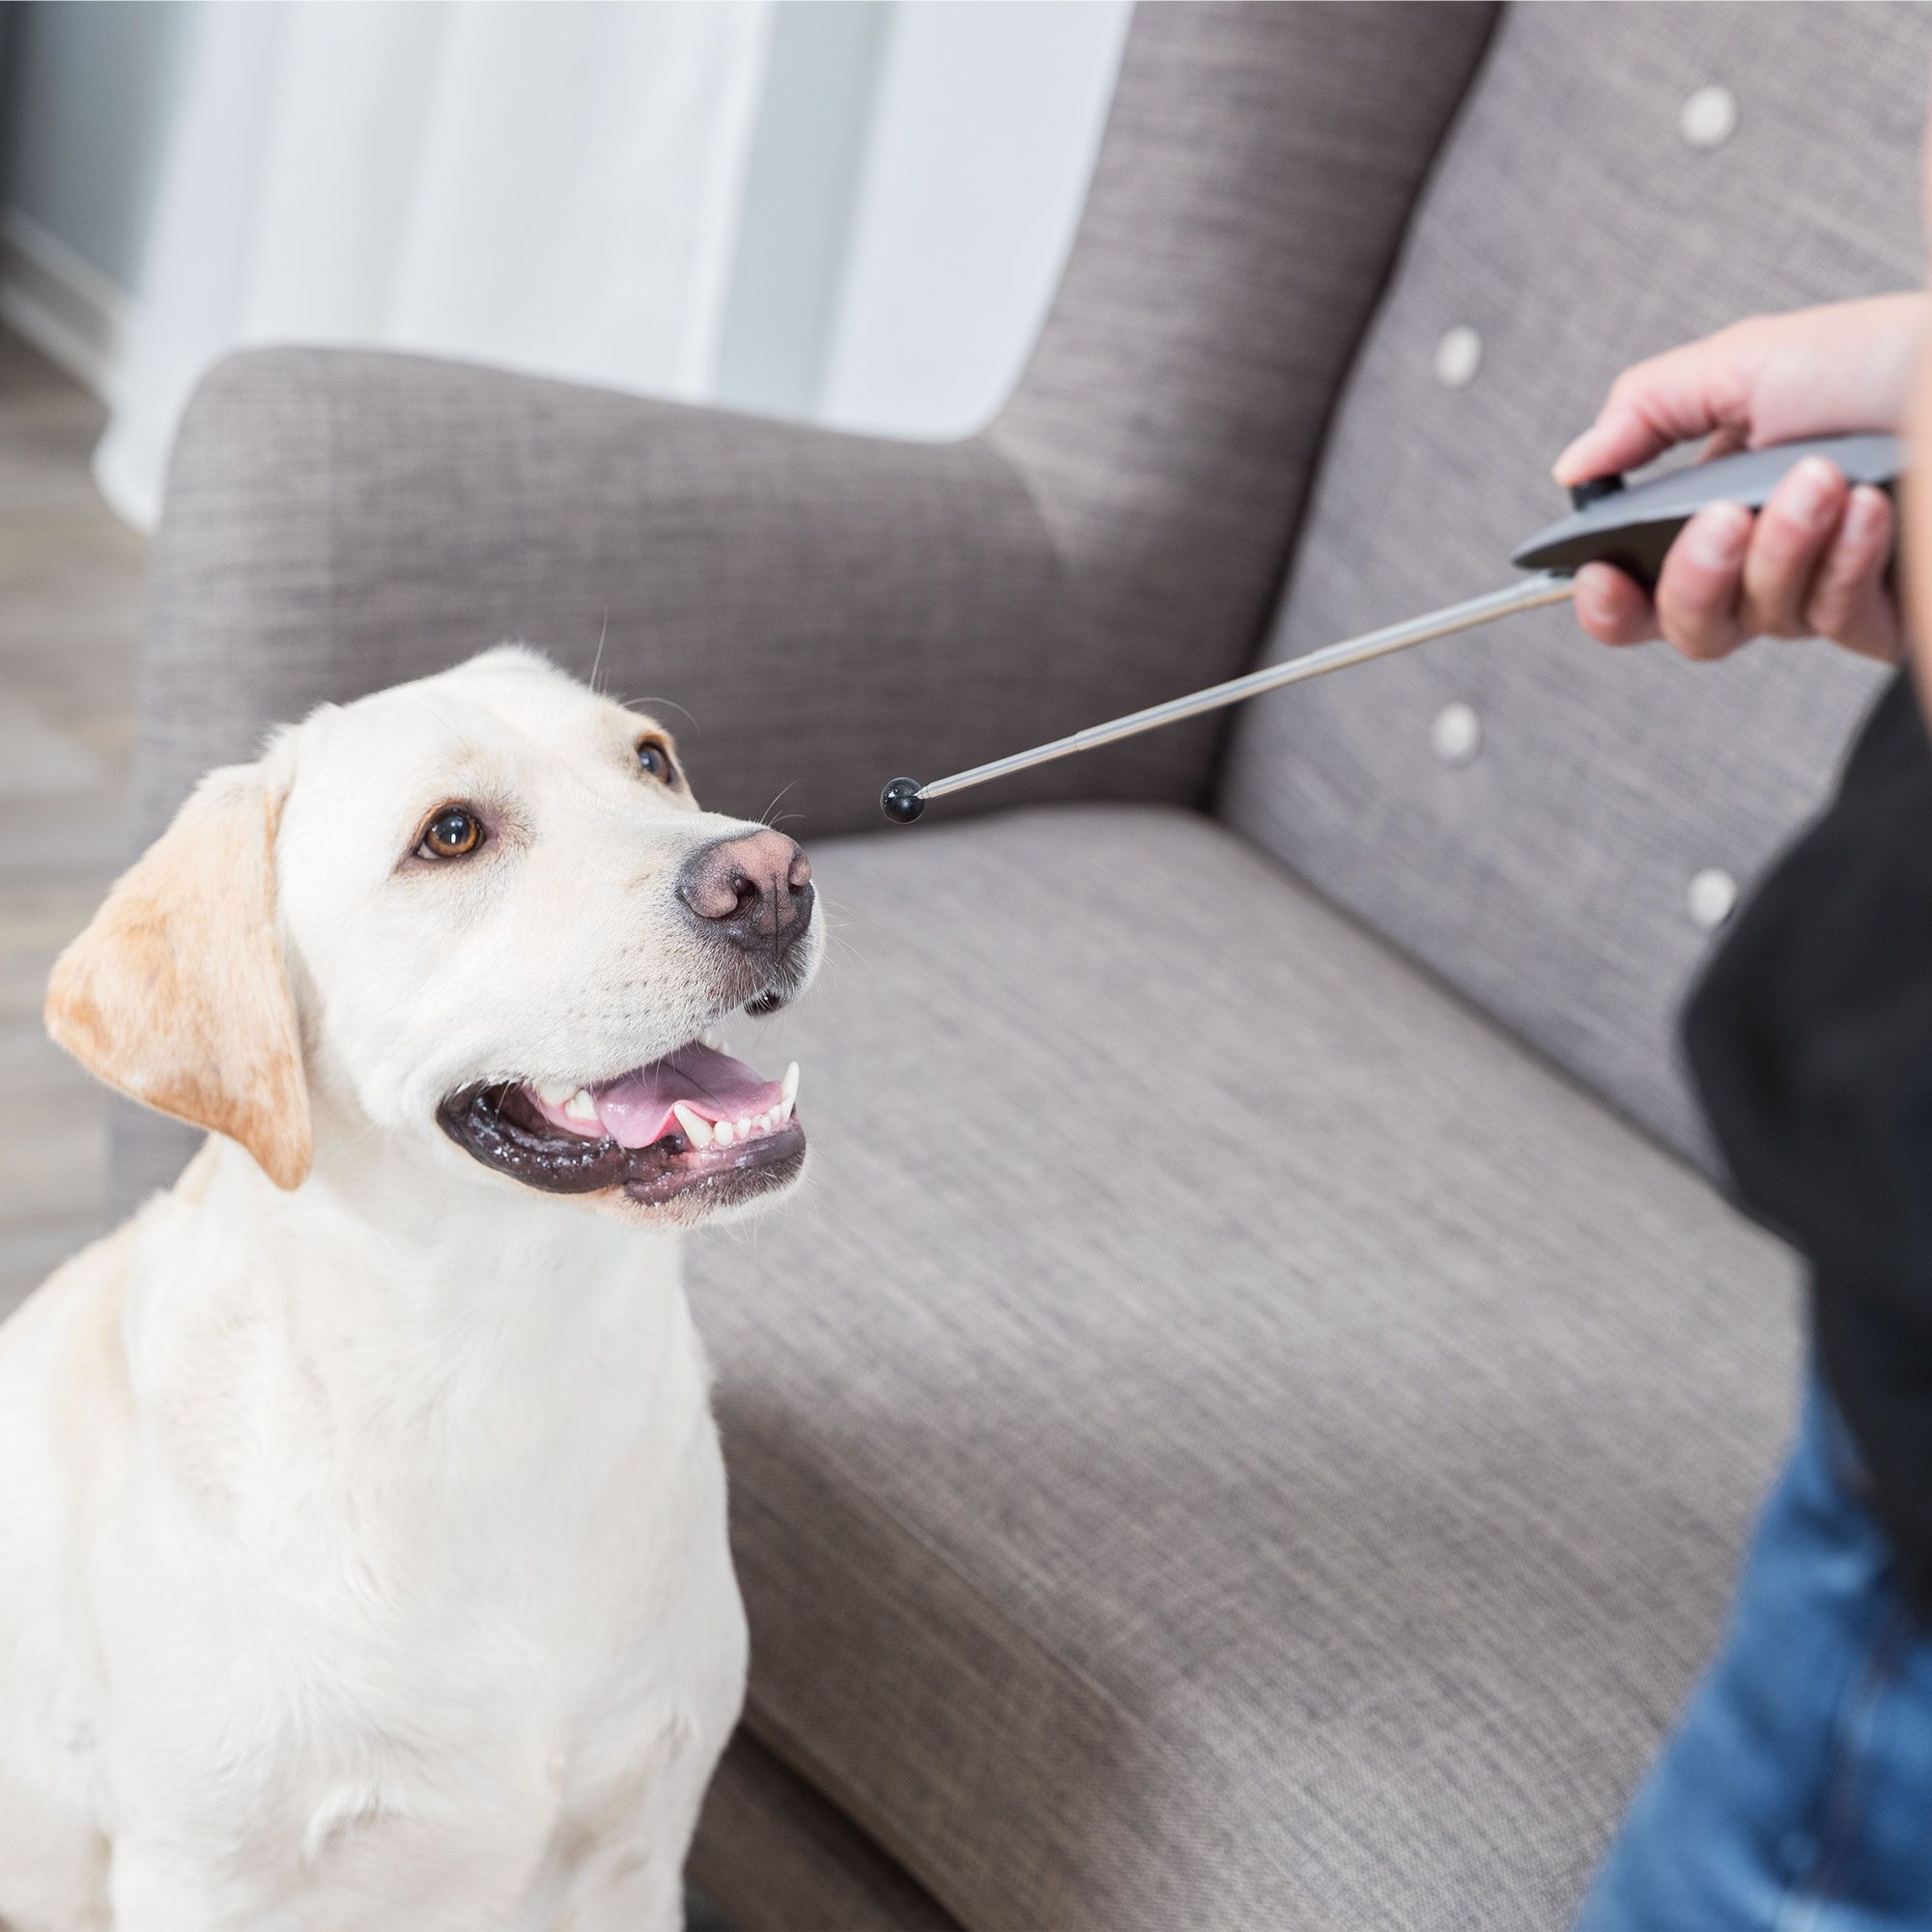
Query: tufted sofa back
<point x="1617" y="179"/>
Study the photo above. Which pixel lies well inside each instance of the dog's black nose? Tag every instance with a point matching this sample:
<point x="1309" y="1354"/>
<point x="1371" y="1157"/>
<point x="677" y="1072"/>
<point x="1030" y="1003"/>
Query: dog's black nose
<point x="755" y="891"/>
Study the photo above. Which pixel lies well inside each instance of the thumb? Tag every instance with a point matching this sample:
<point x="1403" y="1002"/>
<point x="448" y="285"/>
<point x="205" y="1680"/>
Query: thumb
<point x="1670" y="399"/>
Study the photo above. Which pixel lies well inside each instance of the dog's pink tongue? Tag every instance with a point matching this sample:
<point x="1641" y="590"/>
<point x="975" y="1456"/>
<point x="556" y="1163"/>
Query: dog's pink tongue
<point x="635" y="1109"/>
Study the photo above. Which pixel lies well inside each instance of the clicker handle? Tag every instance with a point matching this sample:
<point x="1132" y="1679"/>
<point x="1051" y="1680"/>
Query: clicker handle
<point x="1634" y="524"/>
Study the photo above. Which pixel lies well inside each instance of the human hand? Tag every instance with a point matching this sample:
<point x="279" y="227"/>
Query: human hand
<point x="1812" y="562"/>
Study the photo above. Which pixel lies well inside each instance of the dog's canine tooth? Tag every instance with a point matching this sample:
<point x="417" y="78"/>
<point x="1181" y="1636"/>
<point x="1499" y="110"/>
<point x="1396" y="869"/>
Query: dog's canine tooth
<point x="694" y="1127"/>
<point x="788" y="1090"/>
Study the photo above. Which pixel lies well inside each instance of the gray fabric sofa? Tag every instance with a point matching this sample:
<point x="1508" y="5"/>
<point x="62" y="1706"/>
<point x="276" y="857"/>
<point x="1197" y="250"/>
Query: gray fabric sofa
<point x="1258" y="1424"/>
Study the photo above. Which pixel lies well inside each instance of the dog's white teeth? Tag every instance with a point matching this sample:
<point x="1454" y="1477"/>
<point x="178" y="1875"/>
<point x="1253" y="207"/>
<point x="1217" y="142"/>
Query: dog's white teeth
<point x="581" y="1106"/>
<point x="712" y="1038"/>
<point x="788" y="1091"/>
<point x="694" y="1127"/>
<point x="723" y="1134"/>
<point x="744" y="1126"/>
<point x="556" y="1092"/>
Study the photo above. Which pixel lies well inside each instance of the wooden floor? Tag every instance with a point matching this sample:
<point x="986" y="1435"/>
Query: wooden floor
<point x="70" y="576"/>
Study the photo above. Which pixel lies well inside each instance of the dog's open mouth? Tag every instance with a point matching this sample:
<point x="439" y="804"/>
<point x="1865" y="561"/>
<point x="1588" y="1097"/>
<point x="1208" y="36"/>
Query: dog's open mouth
<point x="697" y="1123"/>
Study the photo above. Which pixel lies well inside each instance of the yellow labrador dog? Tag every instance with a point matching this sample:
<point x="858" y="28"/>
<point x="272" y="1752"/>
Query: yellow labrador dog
<point x="362" y="1553"/>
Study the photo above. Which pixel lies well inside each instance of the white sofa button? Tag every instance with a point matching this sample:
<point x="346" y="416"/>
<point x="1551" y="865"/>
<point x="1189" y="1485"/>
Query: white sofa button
<point x="1457" y="734"/>
<point x="1710" y="118"/>
<point x="1712" y="897"/>
<point x="1458" y="357"/>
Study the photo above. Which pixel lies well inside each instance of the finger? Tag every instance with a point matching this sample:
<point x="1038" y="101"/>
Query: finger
<point x="1620" y="438"/>
<point x="1702" y="578"/>
<point x="1851" y="602"/>
<point x="1794" y="530"/>
<point x="1613" y="608"/>
<point x="1688" y="392"/>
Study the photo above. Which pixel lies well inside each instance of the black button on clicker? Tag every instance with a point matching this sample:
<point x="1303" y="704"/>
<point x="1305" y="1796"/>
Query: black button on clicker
<point x="1583" y="494"/>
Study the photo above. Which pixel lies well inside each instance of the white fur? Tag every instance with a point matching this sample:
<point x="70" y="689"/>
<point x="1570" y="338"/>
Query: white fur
<point x="362" y="1550"/>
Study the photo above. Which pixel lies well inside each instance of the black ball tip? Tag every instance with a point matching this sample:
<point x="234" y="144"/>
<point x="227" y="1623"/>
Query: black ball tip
<point x="900" y="801"/>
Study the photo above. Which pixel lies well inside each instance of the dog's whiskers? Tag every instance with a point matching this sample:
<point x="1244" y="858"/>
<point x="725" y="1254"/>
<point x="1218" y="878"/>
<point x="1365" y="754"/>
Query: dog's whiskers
<point x="598" y="660"/>
<point x="657" y="704"/>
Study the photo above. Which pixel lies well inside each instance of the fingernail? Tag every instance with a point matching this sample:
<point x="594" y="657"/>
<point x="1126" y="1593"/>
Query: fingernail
<point x="1570" y="466"/>
<point x="1864" y="514"/>
<point x="1717" y="535"/>
<point x="1810" y="490"/>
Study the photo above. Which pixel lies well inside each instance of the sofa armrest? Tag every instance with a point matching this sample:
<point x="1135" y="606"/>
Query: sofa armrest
<point x="815" y="612"/>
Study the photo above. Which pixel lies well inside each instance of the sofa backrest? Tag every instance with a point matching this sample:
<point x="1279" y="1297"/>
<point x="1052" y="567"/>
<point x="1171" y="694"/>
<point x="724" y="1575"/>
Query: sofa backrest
<point x="1618" y="180"/>
<point x="1259" y="169"/>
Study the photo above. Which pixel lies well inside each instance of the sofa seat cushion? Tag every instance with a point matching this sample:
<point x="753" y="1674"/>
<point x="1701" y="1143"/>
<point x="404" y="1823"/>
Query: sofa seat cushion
<point x="772" y="1856"/>
<point x="1230" y="1438"/>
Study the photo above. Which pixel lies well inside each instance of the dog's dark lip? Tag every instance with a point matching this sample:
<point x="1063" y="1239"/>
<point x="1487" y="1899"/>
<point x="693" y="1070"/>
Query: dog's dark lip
<point x="761" y="983"/>
<point x="494" y="1123"/>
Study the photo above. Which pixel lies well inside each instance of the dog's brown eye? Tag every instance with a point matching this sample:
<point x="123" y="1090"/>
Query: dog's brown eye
<point x="654" y="759"/>
<point x="454" y="832"/>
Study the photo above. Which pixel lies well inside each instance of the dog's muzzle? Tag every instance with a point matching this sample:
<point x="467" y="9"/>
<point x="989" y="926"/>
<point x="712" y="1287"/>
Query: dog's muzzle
<point x="755" y="895"/>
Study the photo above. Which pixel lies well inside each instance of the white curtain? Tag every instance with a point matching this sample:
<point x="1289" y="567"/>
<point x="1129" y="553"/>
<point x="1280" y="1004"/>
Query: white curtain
<point x="551" y="186"/>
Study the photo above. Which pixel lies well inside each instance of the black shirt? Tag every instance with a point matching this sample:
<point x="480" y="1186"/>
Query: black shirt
<point x="1810" y="1043"/>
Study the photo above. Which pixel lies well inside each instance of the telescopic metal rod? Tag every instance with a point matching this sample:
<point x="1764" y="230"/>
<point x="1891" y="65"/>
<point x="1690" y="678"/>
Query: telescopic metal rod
<point x="904" y="799"/>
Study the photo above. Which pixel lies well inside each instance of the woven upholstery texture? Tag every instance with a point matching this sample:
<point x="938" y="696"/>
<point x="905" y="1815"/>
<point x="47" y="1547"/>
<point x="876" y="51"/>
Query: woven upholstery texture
<point x="770" y="1855"/>
<point x="1572" y="227"/>
<point x="1230" y="1438"/>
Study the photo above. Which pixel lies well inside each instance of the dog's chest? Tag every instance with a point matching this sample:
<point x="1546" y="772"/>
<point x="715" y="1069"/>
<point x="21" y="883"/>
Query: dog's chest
<point x="465" y="1701"/>
<point x="549" y="1708"/>
<point x="523" y="1757"/>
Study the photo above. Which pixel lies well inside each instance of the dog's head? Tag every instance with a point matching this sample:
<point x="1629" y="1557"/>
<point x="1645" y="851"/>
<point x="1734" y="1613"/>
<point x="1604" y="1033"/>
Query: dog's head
<point x="482" y="912"/>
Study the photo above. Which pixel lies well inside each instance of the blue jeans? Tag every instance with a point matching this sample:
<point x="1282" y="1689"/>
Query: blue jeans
<point x="1796" y="1795"/>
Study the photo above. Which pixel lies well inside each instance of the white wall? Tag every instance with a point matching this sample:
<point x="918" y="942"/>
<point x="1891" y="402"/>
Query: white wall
<point x="914" y="179"/>
<point x="87" y="98"/>
<point x="823" y="66"/>
<point x="982" y="141"/>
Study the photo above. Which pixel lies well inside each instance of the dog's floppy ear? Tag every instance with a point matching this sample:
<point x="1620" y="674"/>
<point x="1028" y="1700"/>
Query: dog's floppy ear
<point x="177" y="994"/>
